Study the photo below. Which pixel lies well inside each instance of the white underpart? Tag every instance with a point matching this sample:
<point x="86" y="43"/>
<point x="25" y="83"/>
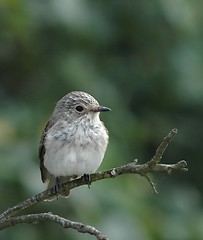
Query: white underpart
<point x="76" y="151"/>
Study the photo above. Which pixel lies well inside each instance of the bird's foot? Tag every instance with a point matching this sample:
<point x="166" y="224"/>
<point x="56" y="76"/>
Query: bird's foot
<point x="56" y="188"/>
<point x="87" y="179"/>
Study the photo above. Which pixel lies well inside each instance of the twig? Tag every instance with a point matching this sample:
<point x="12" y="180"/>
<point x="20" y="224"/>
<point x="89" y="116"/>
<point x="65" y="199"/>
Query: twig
<point x="36" y="218"/>
<point x="151" y="183"/>
<point x="162" y="147"/>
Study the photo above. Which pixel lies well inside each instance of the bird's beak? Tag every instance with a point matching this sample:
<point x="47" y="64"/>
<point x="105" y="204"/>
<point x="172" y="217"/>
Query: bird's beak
<point x="103" y="109"/>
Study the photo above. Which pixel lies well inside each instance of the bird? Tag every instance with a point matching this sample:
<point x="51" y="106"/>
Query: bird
<point x="73" y="142"/>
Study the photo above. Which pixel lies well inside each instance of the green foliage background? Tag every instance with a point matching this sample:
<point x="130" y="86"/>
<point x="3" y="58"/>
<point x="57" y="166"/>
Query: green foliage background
<point x="141" y="58"/>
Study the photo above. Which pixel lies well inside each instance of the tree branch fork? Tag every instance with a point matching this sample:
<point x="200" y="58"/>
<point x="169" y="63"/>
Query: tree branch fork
<point x="7" y="218"/>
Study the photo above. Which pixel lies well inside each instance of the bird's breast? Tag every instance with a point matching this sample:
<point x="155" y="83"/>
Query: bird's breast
<point x="75" y="149"/>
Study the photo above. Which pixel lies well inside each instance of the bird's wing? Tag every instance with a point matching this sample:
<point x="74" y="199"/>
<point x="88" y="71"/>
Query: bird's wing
<point x="45" y="175"/>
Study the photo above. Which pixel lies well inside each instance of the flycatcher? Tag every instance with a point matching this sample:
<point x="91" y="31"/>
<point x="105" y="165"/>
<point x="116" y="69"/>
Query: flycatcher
<point x="74" y="140"/>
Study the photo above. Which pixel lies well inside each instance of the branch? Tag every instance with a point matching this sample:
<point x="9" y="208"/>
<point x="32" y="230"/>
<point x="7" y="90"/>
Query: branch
<point x="39" y="217"/>
<point x="7" y="219"/>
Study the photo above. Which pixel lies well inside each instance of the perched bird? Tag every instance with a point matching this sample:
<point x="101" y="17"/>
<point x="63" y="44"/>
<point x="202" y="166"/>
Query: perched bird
<point x="74" y="140"/>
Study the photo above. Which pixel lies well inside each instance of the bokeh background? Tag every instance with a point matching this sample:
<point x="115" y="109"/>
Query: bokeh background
<point x="143" y="59"/>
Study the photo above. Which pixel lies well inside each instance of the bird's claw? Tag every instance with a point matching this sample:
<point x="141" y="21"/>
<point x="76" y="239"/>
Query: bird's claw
<point x="87" y="179"/>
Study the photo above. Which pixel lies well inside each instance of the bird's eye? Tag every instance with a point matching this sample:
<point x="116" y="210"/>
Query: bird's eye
<point x="79" y="108"/>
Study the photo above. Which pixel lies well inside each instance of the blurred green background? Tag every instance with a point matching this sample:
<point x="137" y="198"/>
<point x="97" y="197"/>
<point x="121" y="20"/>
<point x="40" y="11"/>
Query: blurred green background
<point x="143" y="59"/>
